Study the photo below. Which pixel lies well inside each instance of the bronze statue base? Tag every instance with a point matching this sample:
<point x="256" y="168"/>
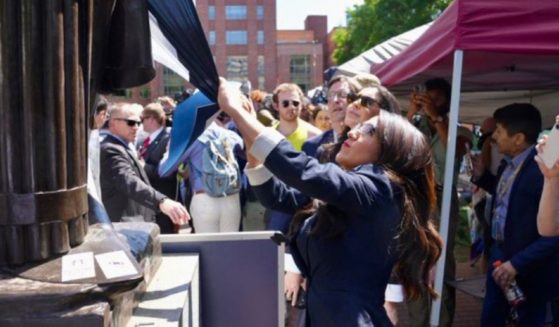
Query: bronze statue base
<point x="28" y="302"/>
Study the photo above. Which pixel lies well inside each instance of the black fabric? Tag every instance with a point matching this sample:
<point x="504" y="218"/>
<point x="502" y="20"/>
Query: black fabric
<point x="129" y="61"/>
<point x="125" y="188"/>
<point x="178" y="20"/>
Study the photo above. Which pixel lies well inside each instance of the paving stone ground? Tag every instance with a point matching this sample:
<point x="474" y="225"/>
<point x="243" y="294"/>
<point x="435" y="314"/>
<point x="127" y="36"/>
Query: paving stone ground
<point x="468" y="308"/>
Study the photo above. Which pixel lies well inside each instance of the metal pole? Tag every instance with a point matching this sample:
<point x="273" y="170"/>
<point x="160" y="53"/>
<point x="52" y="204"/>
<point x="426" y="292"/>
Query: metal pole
<point x="448" y="179"/>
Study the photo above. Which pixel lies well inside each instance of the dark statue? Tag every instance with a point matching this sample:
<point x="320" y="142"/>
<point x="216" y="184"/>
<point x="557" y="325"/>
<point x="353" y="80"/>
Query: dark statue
<point x="55" y="56"/>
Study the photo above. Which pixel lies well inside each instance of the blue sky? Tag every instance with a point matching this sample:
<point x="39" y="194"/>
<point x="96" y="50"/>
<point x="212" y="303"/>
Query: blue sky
<point x="291" y="14"/>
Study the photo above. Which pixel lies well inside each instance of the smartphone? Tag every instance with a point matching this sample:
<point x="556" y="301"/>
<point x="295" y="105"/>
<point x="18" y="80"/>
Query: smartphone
<point x="420" y="88"/>
<point x="301" y="299"/>
<point x="550" y="154"/>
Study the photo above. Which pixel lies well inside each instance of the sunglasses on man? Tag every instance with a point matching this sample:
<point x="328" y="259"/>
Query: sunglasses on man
<point x="295" y="103"/>
<point x="129" y="122"/>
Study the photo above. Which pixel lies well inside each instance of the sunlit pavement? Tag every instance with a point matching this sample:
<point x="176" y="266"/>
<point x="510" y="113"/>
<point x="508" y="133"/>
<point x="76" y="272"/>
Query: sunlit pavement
<point x="468" y="308"/>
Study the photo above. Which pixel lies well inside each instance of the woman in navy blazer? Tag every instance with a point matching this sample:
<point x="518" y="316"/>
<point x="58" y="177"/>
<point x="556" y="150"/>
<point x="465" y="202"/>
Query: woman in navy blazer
<point x="371" y="217"/>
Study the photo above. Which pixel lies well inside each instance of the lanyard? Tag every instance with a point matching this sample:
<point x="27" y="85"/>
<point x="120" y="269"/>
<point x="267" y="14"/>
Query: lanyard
<point x="504" y="185"/>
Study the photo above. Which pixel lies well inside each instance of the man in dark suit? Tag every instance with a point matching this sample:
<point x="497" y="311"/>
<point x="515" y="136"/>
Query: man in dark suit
<point x="338" y="90"/>
<point x="151" y="152"/>
<point x="528" y="258"/>
<point x="126" y="190"/>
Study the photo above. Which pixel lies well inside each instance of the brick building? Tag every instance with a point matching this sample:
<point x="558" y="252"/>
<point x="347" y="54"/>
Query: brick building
<point x="300" y="59"/>
<point x="242" y="37"/>
<point x="246" y="45"/>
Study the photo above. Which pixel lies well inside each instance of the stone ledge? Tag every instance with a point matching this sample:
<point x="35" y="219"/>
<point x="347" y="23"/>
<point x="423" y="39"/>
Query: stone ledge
<point x="173" y="296"/>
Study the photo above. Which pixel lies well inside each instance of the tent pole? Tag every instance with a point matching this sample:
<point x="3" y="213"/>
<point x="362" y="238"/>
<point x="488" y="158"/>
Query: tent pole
<point x="448" y="174"/>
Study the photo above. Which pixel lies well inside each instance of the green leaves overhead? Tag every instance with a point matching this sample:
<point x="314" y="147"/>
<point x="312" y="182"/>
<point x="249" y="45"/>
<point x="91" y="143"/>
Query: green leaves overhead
<point x="378" y="20"/>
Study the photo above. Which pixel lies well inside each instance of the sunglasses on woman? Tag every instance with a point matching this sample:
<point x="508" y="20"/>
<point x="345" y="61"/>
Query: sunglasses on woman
<point x="364" y="100"/>
<point x="129" y="122"/>
<point x="364" y="129"/>
<point x="295" y="103"/>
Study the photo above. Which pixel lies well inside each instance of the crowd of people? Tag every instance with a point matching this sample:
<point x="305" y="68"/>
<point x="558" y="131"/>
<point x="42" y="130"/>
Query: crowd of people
<point x="356" y="185"/>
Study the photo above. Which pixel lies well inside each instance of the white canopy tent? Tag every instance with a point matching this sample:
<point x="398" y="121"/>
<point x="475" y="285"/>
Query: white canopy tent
<point x="380" y="52"/>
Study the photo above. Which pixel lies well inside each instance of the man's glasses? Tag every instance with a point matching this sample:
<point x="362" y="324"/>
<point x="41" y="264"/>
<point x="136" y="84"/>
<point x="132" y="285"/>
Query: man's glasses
<point x="130" y="122"/>
<point x="295" y="103"/>
<point x="340" y="94"/>
<point x="364" y="129"/>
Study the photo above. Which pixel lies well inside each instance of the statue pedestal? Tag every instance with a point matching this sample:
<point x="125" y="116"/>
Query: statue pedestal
<point x="173" y="296"/>
<point x="26" y="302"/>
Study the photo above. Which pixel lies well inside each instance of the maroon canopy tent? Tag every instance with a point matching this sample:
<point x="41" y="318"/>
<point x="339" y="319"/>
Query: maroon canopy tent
<point x="496" y="45"/>
<point x="507" y="44"/>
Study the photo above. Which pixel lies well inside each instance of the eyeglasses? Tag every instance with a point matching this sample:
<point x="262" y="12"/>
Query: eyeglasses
<point x="295" y="103"/>
<point x="364" y="129"/>
<point x="130" y="122"/>
<point x="340" y="94"/>
<point x="365" y="101"/>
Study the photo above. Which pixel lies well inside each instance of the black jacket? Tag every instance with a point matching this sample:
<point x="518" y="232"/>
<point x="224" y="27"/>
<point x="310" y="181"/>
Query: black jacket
<point x="125" y="187"/>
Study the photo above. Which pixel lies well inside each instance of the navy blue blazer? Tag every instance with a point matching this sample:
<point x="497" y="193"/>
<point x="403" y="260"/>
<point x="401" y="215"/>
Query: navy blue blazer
<point x="535" y="258"/>
<point x="346" y="276"/>
<point x="154" y="154"/>
<point x="311" y="145"/>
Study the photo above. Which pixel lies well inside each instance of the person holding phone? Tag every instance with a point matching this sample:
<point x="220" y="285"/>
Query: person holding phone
<point x="548" y="213"/>
<point x="431" y="103"/>
<point x="527" y="257"/>
<point x="375" y="212"/>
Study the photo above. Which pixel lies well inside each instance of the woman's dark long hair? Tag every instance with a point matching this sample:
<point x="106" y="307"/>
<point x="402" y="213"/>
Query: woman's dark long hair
<point x="407" y="160"/>
<point x="330" y="150"/>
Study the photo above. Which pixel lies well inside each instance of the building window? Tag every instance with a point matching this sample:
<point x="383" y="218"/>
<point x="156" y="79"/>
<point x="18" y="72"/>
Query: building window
<point x="260" y="37"/>
<point x="211" y="12"/>
<point x="211" y="37"/>
<point x="261" y="73"/>
<point x="236" y="12"/>
<point x="300" y="70"/>
<point x="145" y="92"/>
<point x="128" y="94"/>
<point x="172" y="82"/>
<point x="235" y="37"/>
<point x="237" y="68"/>
<point x="260" y="12"/>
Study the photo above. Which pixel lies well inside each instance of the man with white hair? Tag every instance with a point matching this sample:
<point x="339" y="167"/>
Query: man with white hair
<point x="126" y="190"/>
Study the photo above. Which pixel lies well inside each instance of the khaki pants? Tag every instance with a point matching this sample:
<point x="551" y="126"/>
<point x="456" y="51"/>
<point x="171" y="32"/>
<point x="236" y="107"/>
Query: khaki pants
<point x="420" y="309"/>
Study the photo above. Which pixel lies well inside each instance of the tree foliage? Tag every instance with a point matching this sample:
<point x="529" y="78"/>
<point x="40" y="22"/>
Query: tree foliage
<point x="378" y="20"/>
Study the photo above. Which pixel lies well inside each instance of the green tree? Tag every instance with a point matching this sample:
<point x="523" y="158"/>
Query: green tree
<point x="378" y="20"/>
